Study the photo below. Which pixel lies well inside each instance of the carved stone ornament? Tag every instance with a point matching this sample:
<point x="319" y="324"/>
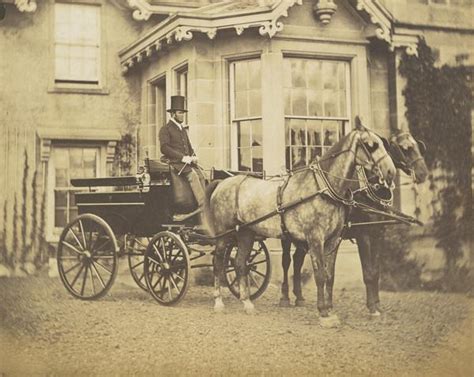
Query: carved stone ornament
<point x="183" y="34"/>
<point x="324" y="10"/>
<point x="26" y="5"/>
<point x="142" y="11"/>
<point x="271" y="28"/>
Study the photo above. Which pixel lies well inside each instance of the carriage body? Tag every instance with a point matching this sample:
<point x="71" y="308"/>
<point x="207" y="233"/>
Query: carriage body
<point x="132" y="217"/>
<point x="132" y="211"/>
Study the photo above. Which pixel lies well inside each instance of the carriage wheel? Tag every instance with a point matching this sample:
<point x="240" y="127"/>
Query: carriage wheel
<point x="87" y="257"/>
<point x="167" y="268"/>
<point x="259" y="265"/>
<point x="136" y="260"/>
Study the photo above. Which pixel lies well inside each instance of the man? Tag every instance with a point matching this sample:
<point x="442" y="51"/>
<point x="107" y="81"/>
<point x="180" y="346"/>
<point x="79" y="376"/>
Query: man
<point x="176" y="147"/>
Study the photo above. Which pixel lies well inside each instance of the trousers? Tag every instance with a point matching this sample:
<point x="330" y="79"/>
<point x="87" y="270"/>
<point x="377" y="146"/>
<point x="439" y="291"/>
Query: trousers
<point x="196" y="181"/>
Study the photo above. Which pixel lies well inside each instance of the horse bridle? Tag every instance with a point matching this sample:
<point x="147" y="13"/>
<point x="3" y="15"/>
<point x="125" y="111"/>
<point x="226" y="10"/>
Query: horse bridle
<point x="405" y="164"/>
<point x="375" y="168"/>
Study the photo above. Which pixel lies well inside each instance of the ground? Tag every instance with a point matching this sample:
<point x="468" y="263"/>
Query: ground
<point x="45" y="331"/>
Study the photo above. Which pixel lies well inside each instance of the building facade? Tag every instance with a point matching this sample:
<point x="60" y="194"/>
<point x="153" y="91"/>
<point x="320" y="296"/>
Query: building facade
<point x="269" y="83"/>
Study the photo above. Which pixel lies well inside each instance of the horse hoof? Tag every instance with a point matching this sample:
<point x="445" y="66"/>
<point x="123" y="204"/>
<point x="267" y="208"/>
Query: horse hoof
<point x="249" y="307"/>
<point x="284" y="303"/>
<point x="330" y="322"/>
<point x="300" y="302"/>
<point x="375" y="313"/>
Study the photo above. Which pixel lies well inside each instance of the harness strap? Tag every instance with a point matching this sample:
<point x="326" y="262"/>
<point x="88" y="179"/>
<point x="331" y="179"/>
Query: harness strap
<point x="323" y="182"/>
<point x="367" y="187"/>
<point x="281" y="210"/>
<point x="237" y="194"/>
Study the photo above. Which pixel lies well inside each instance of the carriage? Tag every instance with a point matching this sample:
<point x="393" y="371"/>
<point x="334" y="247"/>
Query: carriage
<point x="132" y="217"/>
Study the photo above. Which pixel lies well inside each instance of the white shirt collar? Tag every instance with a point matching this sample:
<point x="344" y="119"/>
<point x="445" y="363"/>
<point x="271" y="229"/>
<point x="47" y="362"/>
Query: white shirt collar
<point x="180" y="126"/>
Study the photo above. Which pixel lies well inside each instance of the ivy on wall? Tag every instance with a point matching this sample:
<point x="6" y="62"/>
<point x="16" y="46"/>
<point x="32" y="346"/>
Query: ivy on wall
<point x="438" y="102"/>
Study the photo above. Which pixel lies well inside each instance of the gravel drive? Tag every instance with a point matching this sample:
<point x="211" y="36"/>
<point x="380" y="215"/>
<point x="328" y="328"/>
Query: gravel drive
<point x="46" y="332"/>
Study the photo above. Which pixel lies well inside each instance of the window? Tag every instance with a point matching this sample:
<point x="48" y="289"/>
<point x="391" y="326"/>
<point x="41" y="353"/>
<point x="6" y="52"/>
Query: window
<point x="77" y="43"/>
<point x="156" y="118"/>
<point x="246" y="113"/>
<point x="182" y="85"/>
<point x="316" y="107"/>
<point x="69" y="162"/>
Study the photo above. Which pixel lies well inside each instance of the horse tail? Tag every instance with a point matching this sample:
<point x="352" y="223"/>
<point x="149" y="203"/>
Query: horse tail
<point x="208" y="215"/>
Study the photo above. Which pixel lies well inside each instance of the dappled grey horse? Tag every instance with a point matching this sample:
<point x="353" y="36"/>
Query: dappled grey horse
<point x="312" y="207"/>
<point x="407" y="155"/>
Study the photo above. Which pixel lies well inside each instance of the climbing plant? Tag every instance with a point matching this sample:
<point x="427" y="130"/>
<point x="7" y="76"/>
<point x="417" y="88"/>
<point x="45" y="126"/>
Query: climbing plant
<point x="438" y="102"/>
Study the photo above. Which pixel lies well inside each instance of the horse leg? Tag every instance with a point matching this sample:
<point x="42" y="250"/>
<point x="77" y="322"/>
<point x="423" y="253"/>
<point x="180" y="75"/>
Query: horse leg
<point x="285" y="263"/>
<point x="298" y="260"/>
<point x="370" y="271"/>
<point x="245" y="241"/>
<point x="316" y="249"/>
<point x="219" y="274"/>
<point x="332" y="246"/>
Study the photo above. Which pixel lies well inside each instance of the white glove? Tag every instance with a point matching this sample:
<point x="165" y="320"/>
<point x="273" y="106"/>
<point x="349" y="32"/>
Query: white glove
<point x="187" y="159"/>
<point x="194" y="159"/>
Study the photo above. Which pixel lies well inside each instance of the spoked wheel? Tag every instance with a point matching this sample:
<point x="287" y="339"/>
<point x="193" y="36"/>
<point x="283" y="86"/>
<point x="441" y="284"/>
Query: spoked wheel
<point x="167" y="268"/>
<point x="87" y="257"/>
<point x="136" y="259"/>
<point x="259" y="265"/>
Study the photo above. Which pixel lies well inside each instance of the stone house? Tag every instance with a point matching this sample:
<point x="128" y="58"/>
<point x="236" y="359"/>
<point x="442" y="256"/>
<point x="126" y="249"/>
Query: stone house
<point x="267" y="82"/>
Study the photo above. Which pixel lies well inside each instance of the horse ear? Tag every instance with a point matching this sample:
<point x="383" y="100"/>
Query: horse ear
<point x="358" y="123"/>
<point x="385" y="142"/>
<point x="421" y="147"/>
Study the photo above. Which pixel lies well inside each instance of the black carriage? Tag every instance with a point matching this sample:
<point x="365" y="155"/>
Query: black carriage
<point x="132" y="217"/>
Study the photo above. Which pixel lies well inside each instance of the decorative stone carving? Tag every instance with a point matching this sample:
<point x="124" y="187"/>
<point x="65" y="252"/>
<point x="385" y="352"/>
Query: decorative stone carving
<point x="211" y="33"/>
<point x="324" y="10"/>
<point x="377" y="18"/>
<point x="271" y="28"/>
<point x="142" y="13"/>
<point x="183" y="33"/>
<point x="26" y="5"/>
<point x="240" y="29"/>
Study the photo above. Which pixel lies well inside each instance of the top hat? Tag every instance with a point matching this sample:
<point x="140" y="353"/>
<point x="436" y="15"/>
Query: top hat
<point x="177" y="103"/>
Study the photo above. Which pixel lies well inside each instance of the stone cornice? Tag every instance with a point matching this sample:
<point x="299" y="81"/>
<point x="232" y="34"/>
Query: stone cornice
<point x="182" y="27"/>
<point x="383" y="21"/>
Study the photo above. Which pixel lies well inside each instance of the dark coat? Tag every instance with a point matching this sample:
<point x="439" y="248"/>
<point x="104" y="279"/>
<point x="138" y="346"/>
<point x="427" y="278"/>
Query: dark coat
<point x="175" y="144"/>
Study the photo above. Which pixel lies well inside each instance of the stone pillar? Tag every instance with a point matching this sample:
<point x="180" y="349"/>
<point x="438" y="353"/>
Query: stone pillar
<point x="273" y="112"/>
<point x="202" y="107"/>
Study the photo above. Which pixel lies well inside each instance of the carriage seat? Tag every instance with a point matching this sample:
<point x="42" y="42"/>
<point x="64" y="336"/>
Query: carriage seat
<point x="183" y="200"/>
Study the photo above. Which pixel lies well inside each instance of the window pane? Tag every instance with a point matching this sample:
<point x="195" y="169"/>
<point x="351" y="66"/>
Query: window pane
<point x="77" y="42"/>
<point x="255" y="80"/>
<point x="60" y="198"/>
<point x="245" y="159"/>
<point x="241" y="110"/>
<point x="244" y="131"/>
<point x="298" y="73"/>
<point x="315" y="103"/>
<point x="257" y="137"/>
<point x="240" y="76"/>
<point x="60" y="219"/>
<point x="299" y="102"/>
<point x="255" y="102"/>
<point x="257" y="159"/>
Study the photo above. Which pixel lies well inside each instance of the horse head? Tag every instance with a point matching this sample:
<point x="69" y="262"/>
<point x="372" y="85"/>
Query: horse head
<point x="407" y="154"/>
<point x="372" y="155"/>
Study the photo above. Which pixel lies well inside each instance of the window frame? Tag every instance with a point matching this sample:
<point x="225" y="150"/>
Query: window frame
<point x="348" y="99"/>
<point x="182" y="71"/>
<point x="146" y="128"/>
<point x="236" y="122"/>
<point x="53" y="230"/>
<point x="78" y="87"/>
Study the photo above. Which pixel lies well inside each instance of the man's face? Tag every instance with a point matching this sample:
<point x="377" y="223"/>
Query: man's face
<point x="179" y="116"/>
